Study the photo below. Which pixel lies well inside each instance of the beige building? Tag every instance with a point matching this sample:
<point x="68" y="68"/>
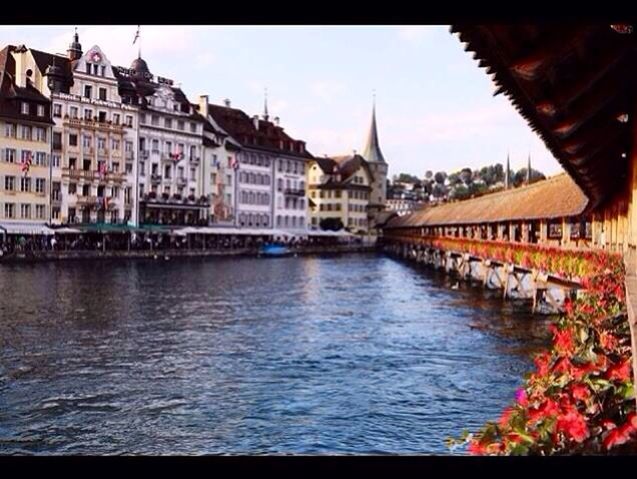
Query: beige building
<point x="25" y="133"/>
<point x="339" y="188"/>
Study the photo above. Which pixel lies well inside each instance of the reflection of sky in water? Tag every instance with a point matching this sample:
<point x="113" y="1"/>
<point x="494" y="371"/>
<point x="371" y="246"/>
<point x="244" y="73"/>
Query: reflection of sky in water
<point x="355" y="354"/>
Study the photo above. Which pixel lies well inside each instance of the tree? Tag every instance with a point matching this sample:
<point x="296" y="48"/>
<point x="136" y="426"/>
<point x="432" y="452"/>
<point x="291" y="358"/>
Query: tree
<point x="429" y="175"/>
<point x="466" y="175"/>
<point x="331" y="224"/>
<point x="440" y="177"/>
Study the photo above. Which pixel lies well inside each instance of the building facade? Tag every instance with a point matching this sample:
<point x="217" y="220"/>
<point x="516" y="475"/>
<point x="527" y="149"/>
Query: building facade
<point x="340" y="189"/>
<point x="25" y="149"/>
<point x="170" y="148"/>
<point x="270" y="170"/>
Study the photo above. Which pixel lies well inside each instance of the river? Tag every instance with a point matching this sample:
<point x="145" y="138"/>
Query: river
<point x="352" y="354"/>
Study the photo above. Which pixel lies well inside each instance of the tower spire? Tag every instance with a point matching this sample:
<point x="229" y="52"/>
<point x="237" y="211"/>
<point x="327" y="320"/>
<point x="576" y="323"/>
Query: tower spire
<point x="372" y="152"/>
<point x="74" y="51"/>
<point x="528" y="170"/>
<point x="507" y="174"/>
<point x="265" y="105"/>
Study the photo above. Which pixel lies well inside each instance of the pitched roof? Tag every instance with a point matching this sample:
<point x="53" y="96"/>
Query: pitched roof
<point x="267" y="137"/>
<point x="572" y="83"/>
<point x="555" y="197"/>
<point x="343" y="165"/>
<point x="12" y="95"/>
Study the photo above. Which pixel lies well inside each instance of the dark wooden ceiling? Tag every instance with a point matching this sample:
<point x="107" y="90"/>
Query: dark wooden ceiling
<point x="573" y="84"/>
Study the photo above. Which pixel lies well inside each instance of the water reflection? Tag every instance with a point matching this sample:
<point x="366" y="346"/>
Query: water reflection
<point x="356" y="354"/>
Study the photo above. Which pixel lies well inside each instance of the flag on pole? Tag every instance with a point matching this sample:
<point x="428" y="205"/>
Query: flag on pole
<point x="25" y="164"/>
<point x="102" y="169"/>
<point x="234" y="163"/>
<point x="136" y="35"/>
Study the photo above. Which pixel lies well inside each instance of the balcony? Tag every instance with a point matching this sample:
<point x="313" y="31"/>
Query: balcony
<point x="155" y="179"/>
<point x="195" y="160"/>
<point x="144" y="154"/>
<point x="87" y="200"/>
<point x="117" y="176"/>
<point x="78" y="174"/>
<point x="182" y="181"/>
<point x="294" y="192"/>
<point x="102" y="152"/>
<point x="88" y="150"/>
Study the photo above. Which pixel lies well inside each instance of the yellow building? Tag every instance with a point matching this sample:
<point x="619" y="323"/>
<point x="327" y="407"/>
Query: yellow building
<point x="25" y="151"/>
<point x="339" y="189"/>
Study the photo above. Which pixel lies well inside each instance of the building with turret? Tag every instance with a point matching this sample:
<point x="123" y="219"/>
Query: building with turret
<point x="378" y="167"/>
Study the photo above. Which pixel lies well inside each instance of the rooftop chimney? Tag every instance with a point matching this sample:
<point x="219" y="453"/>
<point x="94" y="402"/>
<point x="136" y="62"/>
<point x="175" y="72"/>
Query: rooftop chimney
<point x="276" y="120"/>
<point x="203" y="105"/>
<point x="227" y="102"/>
<point x="255" y="119"/>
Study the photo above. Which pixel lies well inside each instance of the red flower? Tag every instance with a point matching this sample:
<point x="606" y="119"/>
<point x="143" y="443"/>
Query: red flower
<point x="547" y="409"/>
<point x="542" y="363"/>
<point x="607" y="340"/>
<point x="580" y="392"/>
<point x="573" y="425"/>
<point x="620" y="371"/>
<point x="619" y="435"/>
<point x="476" y="448"/>
<point x="563" y="366"/>
<point x="563" y="341"/>
<point x="506" y="416"/>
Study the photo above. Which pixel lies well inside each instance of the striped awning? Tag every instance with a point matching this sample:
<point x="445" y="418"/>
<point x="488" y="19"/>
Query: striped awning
<point x="26" y="229"/>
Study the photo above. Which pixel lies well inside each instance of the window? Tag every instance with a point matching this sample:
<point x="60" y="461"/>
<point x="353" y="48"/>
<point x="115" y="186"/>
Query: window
<point x="72" y="215"/>
<point x="180" y="125"/>
<point x="24" y="108"/>
<point x="88" y="90"/>
<point x="101" y="143"/>
<point x="40" y="110"/>
<point x="40" y="134"/>
<point x="101" y="117"/>
<point x="102" y="94"/>
<point x="155" y="145"/>
<point x="25" y="184"/>
<point x="168" y="123"/>
<point x="193" y="174"/>
<point x="73" y="139"/>
<point x="87" y="141"/>
<point x="25" y="211"/>
<point x="115" y="118"/>
<point x="142" y="118"/>
<point x="86" y="190"/>
<point x="9" y="210"/>
<point x="88" y="114"/>
<point x="40" y="185"/>
<point x="10" y="130"/>
<point x="74" y="112"/>
<point x="555" y="230"/>
<point x="9" y="155"/>
<point x="115" y="144"/>
<point x="40" y="158"/>
<point x="57" y="110"/>
<point x="128" y="146"/>
<point x="103" y="70"/>
<point x="55" y="213"/>
<point x="154" y="120"/>
<point x="129" y="120"/>
<point x="72" y="163"/>
<point x="55" y="161"/>
<point x="95" y="69"/>
<point x="9" y="183"/>
<point x="72" y="188"/>
<point x="25" y="132"/>
<point x="88" y="68"/>
<point x="115" y="167"/>
<point x="193" y="127"/>
<point x="229" y="180"/>
<point x="39" y="212"/>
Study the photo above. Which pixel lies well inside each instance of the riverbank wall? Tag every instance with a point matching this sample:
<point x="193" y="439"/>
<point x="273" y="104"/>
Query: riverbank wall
<point x="40" y="256"/>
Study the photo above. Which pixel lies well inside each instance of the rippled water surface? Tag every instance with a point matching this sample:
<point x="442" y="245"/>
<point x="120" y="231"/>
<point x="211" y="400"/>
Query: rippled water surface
<point x="349" y="354"/>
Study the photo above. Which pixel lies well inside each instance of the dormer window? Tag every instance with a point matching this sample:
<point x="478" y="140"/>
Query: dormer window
<point x="95" y="69"/>
<point x="103" y="70"/>
<point x="40" y="110"/>
<point x="88" y="68"/>
<point x="24" y="108"/>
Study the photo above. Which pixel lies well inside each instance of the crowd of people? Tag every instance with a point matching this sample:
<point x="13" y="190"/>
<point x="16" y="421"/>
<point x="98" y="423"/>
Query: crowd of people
<point x="39" y="245"/>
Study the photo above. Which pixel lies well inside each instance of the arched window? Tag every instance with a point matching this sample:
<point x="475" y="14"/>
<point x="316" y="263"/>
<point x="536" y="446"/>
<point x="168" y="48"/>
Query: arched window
<point x="294" y="222"/>
<point x="251" y="222"/>
<point x="242" y="219"/>
<point x="280" y="184"/>
<point x="278" y="221"/>
<point x="286" y="221"/>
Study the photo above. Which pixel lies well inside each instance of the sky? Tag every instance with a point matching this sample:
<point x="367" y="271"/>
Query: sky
<point x="435" y="108"/>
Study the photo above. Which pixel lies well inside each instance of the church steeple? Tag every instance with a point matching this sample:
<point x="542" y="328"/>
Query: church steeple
<point x="528" y="171"/>
<point x="372" y="152"/>
<point x="75" y="48"/>
<point x="507" y="174"/>
<point x="265" y="105"/>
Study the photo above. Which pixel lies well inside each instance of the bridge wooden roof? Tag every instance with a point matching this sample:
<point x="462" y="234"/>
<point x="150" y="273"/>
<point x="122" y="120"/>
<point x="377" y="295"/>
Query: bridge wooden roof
<point x="555" y="197"/>
<point x="573" y="84"/>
